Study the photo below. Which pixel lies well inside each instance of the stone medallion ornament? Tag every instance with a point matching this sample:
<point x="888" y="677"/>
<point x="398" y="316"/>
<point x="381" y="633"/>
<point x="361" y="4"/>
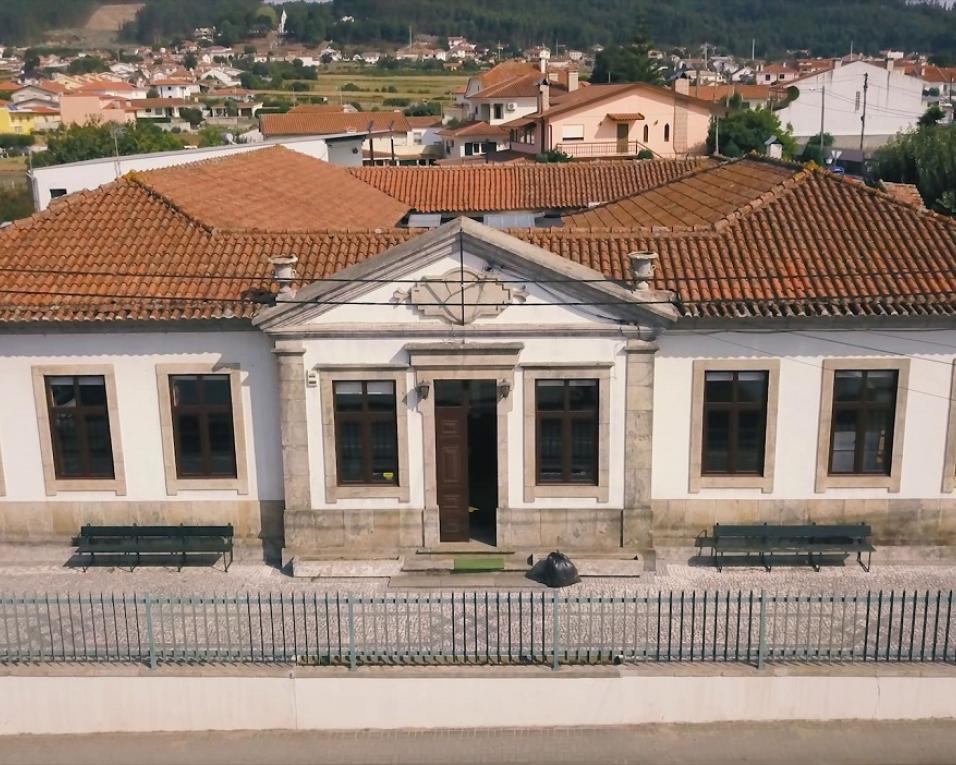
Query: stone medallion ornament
<point x="460" y="297"/>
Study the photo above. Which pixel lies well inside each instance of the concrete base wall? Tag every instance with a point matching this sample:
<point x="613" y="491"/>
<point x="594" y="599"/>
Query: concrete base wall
<point x="61" y="705"/>
<point x="60" y="521"/>
<point x="353" y="531"/>
<point x="894" y="521"/>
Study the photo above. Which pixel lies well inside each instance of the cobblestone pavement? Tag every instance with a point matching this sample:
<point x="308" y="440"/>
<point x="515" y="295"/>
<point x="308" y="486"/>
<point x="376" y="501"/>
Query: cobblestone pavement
<point x="42" y="568"/>
<point x="831" y="743"/>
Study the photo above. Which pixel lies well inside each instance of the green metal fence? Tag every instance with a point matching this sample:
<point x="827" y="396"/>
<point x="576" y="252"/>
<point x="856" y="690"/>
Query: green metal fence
<point x="487" y="627"/>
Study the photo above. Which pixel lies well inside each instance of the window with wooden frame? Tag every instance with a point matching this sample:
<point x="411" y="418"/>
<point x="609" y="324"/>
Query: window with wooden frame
<point x="864" y="413"/>
<point x="566" y="431"/>
<point x="734" y="422"/>
<point x="79" y="426"/>
<point x="203" y="428"/>
<point x="366" y="432"/>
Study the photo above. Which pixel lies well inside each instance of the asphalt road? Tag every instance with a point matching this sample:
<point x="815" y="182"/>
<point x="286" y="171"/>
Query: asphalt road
<point x="831" y="743"/>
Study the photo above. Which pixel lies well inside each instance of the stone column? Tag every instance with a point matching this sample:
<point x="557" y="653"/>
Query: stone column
<point x="294" y="426"/>
<point x="638" y="430"/>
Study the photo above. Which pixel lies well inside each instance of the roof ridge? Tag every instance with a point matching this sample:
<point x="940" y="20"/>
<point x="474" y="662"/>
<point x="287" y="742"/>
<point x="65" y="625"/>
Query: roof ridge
<point x="880" y="194"/>
<point x="134" y="178"/>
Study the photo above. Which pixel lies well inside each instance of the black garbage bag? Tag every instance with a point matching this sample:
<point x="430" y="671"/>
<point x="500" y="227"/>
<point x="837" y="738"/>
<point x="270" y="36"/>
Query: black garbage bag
<point x="556" y="570"/>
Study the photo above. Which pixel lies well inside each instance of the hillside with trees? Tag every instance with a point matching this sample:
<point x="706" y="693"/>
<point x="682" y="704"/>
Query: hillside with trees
<point x="823" y="27"/>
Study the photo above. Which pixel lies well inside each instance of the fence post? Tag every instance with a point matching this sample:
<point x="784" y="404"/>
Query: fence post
<point x="149" y="633"/>
<point x="762" y="633"/>
<point x="352" y="663"/>
<point x="555" y="633"/>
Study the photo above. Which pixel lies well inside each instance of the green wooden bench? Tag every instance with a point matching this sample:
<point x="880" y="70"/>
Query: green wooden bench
<point x="138" y="541"/>
<point x="766" y="539"/>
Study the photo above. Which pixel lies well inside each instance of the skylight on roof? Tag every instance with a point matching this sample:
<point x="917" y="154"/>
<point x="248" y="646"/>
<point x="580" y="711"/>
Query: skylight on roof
<point x="424" y="220"/>
<point x="509" y="220"/>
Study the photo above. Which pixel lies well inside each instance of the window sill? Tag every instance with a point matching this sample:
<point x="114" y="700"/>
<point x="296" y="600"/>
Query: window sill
<point x="859" y="481"/>
<point x="176" y="485"/>
<point x="567" y="491"/>
<point x="367" y="491"/>
<point x="58" y="485"/>
<point x="762" y="482"/>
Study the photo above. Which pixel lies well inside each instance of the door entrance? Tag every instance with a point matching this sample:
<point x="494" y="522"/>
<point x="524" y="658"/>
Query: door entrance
<point x="623" y="129"/>
<point x="466" y="459"/>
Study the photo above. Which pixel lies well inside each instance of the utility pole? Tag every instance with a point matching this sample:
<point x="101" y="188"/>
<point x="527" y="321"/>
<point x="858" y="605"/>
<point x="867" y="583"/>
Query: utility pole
<point x="866" y="84"/>
<point x="753" y="48"/>
<point x="823" y="103"/>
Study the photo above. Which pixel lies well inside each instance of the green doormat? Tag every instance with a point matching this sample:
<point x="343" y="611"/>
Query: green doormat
<point x="479" y="564"/>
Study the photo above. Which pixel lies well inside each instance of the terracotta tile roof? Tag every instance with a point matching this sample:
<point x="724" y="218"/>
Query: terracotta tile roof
<point x="506" y="70"/>
<point x="746" y="92"/>
<point x="525" y="86"/>
<point x="816" y="246"/>
<point x="698" y="199"/>
<point x="9" y="87"/>
<point x="904" y="192"/>
<point x="477" y="129"/>
<point x="424" y="122"/>
<point x="941" y="74"/>
<point x="325" y="123"/>
<point x="533" y="186"/>
<point x="273" y="189"/>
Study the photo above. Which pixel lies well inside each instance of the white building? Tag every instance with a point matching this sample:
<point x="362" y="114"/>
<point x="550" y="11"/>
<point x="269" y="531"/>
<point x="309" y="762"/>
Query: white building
<point x="56" y="181"/>
<point x="894" y="102"/>
<point x="589" y="388"/>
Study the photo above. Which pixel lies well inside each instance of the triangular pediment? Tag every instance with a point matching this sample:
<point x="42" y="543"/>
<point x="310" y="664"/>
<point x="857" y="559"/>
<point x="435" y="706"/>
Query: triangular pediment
<point x="425" y="273"/>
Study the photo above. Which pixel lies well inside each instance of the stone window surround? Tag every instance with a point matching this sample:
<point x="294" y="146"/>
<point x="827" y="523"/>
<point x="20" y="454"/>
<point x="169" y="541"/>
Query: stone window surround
<point x="949" y="459"/>
<point x="889" y="482"/>
<point x="763" y="482"/>
<point x="391" y="373"/>
<point x="534" y="372"/>
<point x="52" y="484"/>
<point x="175" y="484"/>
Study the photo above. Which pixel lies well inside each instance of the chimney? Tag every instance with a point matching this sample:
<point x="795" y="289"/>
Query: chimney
<point x="543" y="57"/>
<point x="284" y="275"/>
<point x="682" y="86"/>
<point x="572" y="80"/>
<point x="642" y="268"/>
<point x="544" y="96"/>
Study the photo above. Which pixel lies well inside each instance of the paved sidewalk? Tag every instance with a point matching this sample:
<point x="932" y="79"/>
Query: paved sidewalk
<point x="734" y="743"/>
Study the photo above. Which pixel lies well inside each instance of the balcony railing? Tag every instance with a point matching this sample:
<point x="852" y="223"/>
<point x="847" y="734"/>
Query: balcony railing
<point x="595" y="149"/>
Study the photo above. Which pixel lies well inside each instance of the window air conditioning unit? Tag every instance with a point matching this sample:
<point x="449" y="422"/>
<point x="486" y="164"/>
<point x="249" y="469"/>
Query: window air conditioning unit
<point x="512" y="106"/>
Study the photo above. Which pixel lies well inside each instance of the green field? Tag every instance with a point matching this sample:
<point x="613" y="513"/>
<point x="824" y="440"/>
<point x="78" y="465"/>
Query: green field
<point x="371" y="88"/>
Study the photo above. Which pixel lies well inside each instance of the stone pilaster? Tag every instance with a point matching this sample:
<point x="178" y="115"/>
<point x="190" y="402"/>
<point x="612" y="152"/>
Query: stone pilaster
<point x="638" y="430"/>
<point x="294" y="425"/>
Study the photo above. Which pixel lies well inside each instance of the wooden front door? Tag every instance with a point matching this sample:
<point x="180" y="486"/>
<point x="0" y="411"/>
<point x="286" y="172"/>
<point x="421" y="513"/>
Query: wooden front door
<point x="451" y="458"/>
<point x="623" y="128"/>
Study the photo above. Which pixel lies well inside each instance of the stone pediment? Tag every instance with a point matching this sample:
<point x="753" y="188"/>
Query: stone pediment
<point x="460" y="296"/>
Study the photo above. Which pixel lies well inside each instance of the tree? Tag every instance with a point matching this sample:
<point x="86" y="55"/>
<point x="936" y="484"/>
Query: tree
<point x="31" y="60"/>
<point x="931" y="116"/>
<point x="748" y="130"/>
<point x="628" y="63"/>
<point x="192" y="115"/>
<point x="813" y="152"/>
<point x="190" y="61"/>
<point x="211" y="136"/>
<point x="93" y="141"/>
<point x="16" y="141"/>
<point x="15" y="203"/>
<point x="553" y="156"/>
<point x="87" y="65"/>
<point x="926" y="157"/>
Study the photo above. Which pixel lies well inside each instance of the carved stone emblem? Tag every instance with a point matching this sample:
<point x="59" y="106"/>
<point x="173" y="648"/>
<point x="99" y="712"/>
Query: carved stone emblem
<point x="460" y="297"/>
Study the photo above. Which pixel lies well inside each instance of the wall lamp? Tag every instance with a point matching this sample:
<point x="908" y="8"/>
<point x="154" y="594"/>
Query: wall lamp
<point x="504" y="389"/>
<point x="422" y="390"/>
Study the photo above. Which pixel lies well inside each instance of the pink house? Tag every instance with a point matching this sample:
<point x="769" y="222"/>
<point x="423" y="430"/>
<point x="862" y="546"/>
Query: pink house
<point x="81" y="110"/>
<point x="617" y="120"/>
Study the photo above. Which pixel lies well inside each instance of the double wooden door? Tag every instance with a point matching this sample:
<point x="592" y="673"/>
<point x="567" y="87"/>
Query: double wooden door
<point x="456" y="403"/>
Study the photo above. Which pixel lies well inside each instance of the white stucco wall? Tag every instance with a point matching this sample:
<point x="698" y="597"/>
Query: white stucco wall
<point x="802" y="354"/>
<point x="894" y="102"/>
<point x="134" y="357"/>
